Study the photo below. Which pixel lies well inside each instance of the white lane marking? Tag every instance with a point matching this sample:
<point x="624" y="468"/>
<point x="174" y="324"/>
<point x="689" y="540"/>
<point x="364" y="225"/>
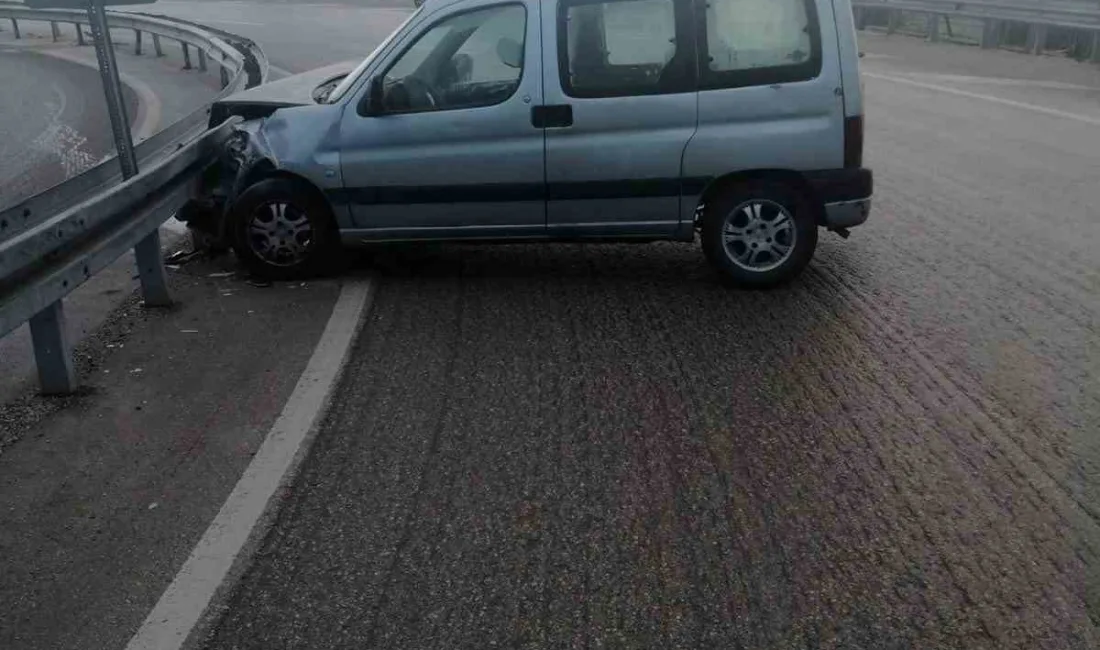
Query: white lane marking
<point x="255" y="497"/>
<point x="63" y="141"/>
<point x="999" y="81"/>
<point x="147" y="120"/>
<point x="231" y="22"/>
<point x="989" y="98"/>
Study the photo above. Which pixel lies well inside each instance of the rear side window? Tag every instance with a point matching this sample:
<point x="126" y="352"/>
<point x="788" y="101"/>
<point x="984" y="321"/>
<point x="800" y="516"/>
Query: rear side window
<point x="617" y="48"/>
<point x="759" y="42"/>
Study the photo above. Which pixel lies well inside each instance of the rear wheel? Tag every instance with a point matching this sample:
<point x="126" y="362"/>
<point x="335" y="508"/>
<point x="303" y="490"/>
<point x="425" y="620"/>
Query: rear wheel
<point x="282" y="230"/>
<point x="759" y="234"/>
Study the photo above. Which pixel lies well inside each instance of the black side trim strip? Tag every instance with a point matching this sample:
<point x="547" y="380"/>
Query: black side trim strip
<point x="831" y="186"/>
<point x="506" y="192"/>
<point x="491" y="193"/>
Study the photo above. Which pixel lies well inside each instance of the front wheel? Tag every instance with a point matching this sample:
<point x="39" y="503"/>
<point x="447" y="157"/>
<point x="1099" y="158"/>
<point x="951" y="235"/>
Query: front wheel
<point x="759" y="234"/>
<point x="281" y="230"/>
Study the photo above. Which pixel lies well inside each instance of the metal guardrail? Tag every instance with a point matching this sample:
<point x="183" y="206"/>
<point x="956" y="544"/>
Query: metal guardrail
<point x="53" y="242"/>
<point x="995" y="16"/>
<point x="214" y="46"/>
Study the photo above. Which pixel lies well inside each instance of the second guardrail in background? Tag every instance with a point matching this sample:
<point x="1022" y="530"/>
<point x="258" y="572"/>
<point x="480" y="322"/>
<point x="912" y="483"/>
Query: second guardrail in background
<point x="53" y="242"/>
<point x="1032" y="26"/>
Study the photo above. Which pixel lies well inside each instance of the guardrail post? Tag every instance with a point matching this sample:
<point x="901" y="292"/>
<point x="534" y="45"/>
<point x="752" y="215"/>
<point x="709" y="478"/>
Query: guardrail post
<point x="861" y="18"/>
<point x="991" y="34"/>
<point x="1037" y="38"/>
<point x="79" y="34"/>
<point x="225" y="76"/>
<point x="202" y="59"/>
<point x="137" y="42"/>
<point x="51" y="351"/>
<point x="892" y="20"/>
<point x="933" y="28"/>
<point x="55" y="31"/>
<point x="186" y="56"/>
<point x="1094" y="55"/>
<point x="15" y="27"/>
<point x="156" y="44"/>
<point x="150" y="263"/>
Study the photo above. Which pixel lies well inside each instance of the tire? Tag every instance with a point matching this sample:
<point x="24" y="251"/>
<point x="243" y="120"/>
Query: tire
<point x="281" y="230"/>
<point x="759" y="234"/>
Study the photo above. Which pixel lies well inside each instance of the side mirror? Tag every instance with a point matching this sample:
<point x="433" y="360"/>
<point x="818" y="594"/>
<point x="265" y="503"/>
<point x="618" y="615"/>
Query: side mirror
<point x="374" y="102"/>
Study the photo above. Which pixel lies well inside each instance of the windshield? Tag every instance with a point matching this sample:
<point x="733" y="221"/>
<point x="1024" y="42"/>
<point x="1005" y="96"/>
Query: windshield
<point x="350" y="80"/>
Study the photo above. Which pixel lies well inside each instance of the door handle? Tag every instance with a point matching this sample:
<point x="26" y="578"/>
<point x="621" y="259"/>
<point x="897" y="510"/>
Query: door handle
<point x="559" y="116"/>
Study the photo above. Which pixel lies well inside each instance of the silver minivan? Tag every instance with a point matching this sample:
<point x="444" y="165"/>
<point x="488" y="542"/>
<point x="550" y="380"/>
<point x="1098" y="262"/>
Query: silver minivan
<point x="560" y="120"/>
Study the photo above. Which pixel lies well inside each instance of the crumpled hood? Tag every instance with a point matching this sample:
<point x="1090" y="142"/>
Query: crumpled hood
<point x="293" y="90"/>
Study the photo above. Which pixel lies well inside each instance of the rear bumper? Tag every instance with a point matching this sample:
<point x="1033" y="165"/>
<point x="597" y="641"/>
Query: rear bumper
<point x="845" y="195"/>
<point x="846" y="214"/>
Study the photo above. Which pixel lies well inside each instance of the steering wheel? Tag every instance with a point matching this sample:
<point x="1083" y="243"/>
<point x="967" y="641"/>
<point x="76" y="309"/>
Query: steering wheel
<point x="420" y="92"/>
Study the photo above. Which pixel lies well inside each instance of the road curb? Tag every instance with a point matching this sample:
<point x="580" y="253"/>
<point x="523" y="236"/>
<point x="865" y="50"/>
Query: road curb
<point x="195" y="599"/>
<point x="147" y="121"/>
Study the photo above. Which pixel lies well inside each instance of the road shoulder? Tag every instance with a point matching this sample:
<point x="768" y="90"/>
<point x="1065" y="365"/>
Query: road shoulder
<point x="108" y="491"/>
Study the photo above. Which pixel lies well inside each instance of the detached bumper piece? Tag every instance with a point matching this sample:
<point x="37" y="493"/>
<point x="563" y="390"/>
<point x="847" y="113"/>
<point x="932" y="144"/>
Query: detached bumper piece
<point x="845" y="195"/>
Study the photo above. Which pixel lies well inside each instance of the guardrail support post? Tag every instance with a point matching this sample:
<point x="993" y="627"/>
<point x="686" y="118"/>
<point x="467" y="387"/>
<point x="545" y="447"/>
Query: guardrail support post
<point x="991" y="34"/>
<point x="202" y="59"/>
<point x="156" y="45"/>
<point x="1037" y="38"/>
<point x="51" y="351"/>
<point x="225" y="76"/>
<point x="1094" y="53"/>
<point x="860" y="17"/>
<point x="15" y="27"/>
<point x="186" y="56"/>
<point x="933" y="28"/>
<point x="55" y="31"/>
<point x="79" y="34"/>
<point x="154" y="282"/>
<point x="892" y="20"/>
<point x="137" y="42"/>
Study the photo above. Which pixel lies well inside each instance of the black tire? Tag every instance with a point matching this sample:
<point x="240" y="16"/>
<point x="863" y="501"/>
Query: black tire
<point x="734" y="260"/>
<point x="314" y="250"/>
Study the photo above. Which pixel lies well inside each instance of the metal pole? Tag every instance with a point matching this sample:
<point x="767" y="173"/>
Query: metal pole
<point x="202" y="59"/>
<point x="54" y="31"/>
<point x="933" y="29"/>
<point x="186" y="56"/>
<point x="150" y="263"/>
<point x="156" y="44"/>
<point x="154" y="283"/>
<point x="112" y="88"/>
<point x="1038" y="36"/>
<point x="137" y="42"/>
<point x="51" y="351"/>
<point x="991" y="34"/>
<point x="15" y="27"/>
<point x="79" y="34"/>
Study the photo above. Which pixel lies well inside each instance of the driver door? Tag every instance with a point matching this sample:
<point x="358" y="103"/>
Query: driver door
<point x="454" y="154"/>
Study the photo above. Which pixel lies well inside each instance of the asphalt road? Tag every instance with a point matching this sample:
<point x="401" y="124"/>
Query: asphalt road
<point x="53" y="122"/>
<point x="599" y="446"/>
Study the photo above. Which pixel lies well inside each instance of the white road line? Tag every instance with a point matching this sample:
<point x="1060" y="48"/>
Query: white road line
<point x="1087" y="119"/>
<point x="231" y="22"/>
<point x="147" y="121"/>
<point x="252" y="504"/>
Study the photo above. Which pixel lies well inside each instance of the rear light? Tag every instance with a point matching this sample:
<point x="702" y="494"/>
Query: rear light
<point x="853" y="142"/>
